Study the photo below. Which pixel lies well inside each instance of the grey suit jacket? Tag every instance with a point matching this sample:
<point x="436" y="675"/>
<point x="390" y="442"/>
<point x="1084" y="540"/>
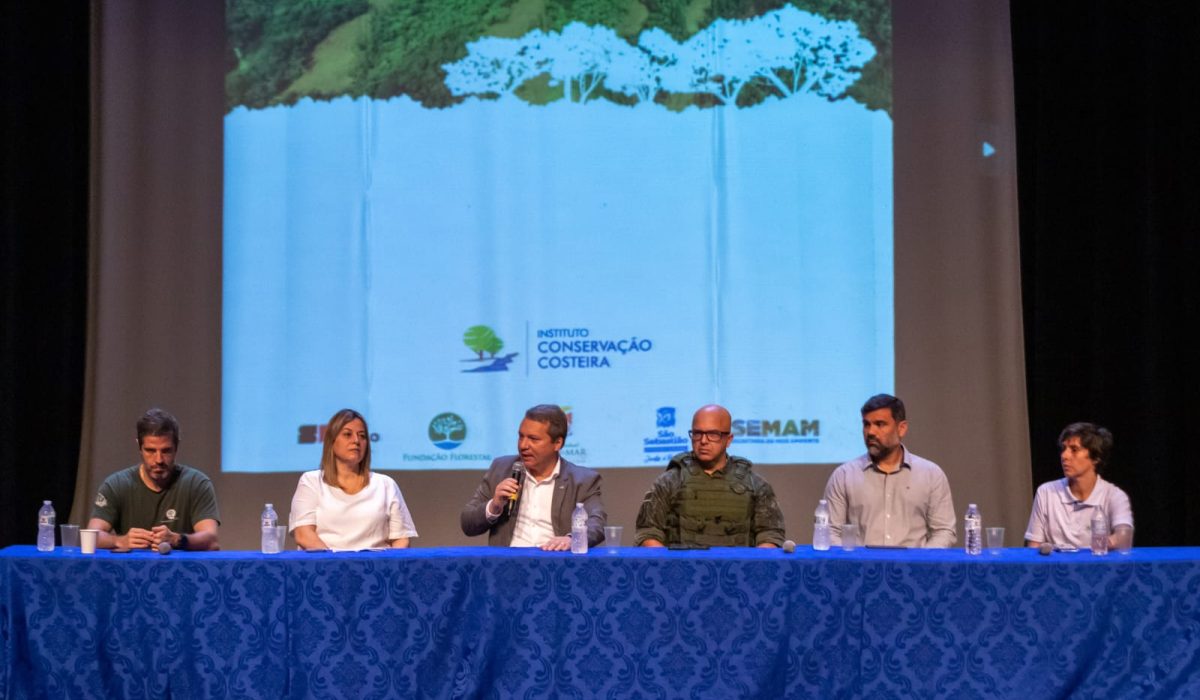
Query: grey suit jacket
<point x="575" y="485"/>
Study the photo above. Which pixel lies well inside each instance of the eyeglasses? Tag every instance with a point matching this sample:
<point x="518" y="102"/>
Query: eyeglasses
<point x="706" y="435"/>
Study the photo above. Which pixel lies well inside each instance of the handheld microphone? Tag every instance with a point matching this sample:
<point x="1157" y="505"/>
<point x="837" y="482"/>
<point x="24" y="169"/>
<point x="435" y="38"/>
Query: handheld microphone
<point x="164" y="547"/>
<point x="518" y="473"/>
<point x="789" y="546"/>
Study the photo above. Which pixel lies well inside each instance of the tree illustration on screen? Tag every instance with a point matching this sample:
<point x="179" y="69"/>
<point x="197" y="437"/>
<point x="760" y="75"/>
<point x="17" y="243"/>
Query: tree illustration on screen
<point x="496" y="65"/>
<point x="817" y="55"/>
<point x="447" y="426"/>
<point x="788" y="51"/>
<point x="630" y="72"/>
<point x="579" y="57"/>
<point x="482" y="339"/>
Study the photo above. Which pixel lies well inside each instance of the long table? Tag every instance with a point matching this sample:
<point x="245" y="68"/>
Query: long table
<point x="479" y="622"/>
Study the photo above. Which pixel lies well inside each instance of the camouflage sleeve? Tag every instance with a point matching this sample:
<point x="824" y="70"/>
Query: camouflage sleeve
<point x="768" y="518"/>
<point x="655" y="511"/>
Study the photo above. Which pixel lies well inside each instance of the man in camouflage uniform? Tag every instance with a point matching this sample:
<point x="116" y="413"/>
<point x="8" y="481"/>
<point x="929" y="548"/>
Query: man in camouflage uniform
<point x="707" y="497"/>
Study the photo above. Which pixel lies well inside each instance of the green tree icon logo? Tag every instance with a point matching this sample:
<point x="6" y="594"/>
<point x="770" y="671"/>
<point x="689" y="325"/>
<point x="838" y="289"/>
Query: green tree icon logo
<point x="482" y="339"/>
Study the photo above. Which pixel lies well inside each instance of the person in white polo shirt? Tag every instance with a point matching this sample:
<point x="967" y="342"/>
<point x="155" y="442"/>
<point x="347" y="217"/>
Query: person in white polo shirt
<point x="1063" y="508"/>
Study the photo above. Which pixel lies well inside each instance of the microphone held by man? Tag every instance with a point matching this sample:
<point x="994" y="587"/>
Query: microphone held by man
<point x="518" y="475"/>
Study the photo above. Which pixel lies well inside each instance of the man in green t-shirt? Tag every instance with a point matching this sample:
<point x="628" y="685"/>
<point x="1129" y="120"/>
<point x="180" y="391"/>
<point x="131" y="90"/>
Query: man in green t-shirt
<point x="158" y="500"/>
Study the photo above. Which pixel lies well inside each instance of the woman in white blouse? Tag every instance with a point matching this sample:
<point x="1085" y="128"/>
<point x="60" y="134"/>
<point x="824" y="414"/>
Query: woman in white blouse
<point x="343" y="505"/>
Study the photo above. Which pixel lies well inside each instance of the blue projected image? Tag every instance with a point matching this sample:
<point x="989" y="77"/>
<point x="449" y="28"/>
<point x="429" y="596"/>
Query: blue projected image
<point x="628" y="225"/>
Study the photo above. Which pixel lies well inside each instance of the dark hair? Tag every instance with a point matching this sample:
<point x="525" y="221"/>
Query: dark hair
<point x="1095" y="439"/>
<point x="552" y="416"/>
<point x="335" y="425"/>
<point x="879" y="401"/>
<point x="157" y="423"/>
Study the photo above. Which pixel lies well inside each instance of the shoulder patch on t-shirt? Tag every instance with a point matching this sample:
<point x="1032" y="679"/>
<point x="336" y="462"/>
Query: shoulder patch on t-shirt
<point x="101" y="501"/>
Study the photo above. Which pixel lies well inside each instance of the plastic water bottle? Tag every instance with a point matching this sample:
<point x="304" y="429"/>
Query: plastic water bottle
<point x="579" y="520"/>
<point x="821" y="536"/>
<point x="270" y="543"/>
<point x="973" y="530"/>
<point x="46" y="527"/>
<point x="1099" y="532"/>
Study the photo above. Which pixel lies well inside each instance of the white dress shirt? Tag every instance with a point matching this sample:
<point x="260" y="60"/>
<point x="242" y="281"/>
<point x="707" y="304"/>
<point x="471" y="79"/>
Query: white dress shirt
<point x="534" y="526"/>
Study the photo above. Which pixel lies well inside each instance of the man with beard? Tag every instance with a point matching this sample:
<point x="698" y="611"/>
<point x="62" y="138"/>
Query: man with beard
<point x="156" y="501"/>
<point x="708" y="498"/>
<point x="897" y="498"/>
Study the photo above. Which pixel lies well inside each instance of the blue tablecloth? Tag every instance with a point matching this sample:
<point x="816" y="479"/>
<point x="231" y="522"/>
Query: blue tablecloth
<point x="478" y="622"/>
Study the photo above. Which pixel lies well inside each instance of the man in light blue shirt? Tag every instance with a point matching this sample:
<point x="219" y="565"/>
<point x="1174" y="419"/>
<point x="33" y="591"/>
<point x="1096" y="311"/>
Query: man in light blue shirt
<point x="897" y="498"/>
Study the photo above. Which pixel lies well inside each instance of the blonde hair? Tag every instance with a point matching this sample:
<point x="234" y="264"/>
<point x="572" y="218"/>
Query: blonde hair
<point x="335" y="425"/>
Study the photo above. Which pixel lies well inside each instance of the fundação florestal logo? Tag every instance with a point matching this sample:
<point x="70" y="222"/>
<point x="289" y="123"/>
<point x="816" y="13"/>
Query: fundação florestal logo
<point x="447" y="430"/>
<point x="486" y="344"/>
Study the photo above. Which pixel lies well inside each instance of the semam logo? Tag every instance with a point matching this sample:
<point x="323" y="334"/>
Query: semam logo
<point x="484" y="342"/>
<point x="775" y="431"/>
<point x="447" y="430"/>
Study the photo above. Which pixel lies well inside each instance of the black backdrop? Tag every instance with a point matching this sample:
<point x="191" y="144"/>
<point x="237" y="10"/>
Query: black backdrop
<point x="1108" y="201"/>
<point x="43" y="269"/>
<point x="1107" y="183"/>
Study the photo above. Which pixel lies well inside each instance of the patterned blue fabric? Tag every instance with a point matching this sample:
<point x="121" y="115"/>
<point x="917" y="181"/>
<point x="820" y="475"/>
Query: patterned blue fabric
<point x="493" y="623"/>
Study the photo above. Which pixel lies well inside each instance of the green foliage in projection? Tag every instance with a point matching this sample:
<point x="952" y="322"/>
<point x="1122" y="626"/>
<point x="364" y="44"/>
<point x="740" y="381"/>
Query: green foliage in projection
<point x="671" y="16"/>
<point x="401" y="47"/>
<point x="408" y="41"/>
<point x="271" y="43"/>
<point x="625" y="17"/>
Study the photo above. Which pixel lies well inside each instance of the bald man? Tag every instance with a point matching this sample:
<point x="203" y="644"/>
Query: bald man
<point x="727" y="505"/>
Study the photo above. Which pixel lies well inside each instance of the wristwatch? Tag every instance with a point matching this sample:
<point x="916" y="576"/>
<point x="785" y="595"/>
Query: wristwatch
<point x="182" y="542"/>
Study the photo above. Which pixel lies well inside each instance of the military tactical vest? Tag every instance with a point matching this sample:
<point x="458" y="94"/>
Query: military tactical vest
<point x="716" y="511"/>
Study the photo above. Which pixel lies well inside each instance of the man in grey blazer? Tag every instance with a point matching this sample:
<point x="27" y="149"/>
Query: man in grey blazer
<point x="526" y="499"/>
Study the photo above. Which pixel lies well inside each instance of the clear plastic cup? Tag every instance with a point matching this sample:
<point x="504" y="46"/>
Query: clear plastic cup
<point x="995" y="539"/>
<point x="612" y="537"/>
<point x="849" y="537"/>
<point x="70" y="537"/>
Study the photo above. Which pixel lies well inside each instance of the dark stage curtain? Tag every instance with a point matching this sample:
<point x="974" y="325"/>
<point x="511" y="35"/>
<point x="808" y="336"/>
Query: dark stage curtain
<point x="43" y="269"/>
<point x="1107" y="173"/>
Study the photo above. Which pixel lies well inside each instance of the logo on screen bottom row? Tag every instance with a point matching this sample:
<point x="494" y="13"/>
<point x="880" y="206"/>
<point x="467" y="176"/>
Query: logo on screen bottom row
<point x="447" y="430"/>
<point x="314" y="434"/>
